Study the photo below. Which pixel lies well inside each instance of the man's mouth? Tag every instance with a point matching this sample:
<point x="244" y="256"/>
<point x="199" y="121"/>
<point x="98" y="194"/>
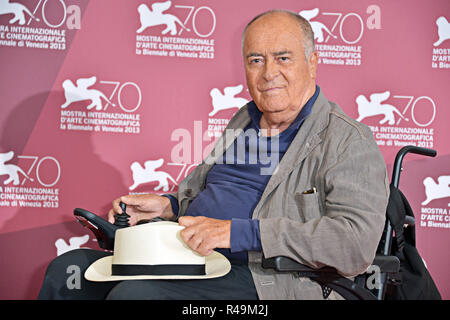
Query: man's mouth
<point x="271" y="89"/>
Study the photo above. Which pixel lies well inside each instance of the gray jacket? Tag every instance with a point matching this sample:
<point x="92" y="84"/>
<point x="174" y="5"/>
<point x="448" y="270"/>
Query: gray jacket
<point x="340" y="225"/>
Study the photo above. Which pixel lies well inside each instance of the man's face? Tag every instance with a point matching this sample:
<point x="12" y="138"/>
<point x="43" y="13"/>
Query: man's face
<point x="279" y="78"/>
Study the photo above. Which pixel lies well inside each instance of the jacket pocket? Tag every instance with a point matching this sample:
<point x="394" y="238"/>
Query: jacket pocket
<point x="308" y="205"/>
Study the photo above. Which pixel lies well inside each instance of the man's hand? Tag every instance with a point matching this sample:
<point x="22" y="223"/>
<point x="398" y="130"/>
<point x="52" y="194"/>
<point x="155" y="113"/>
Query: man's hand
<point x="142" y="206"/>
<point x="203" y="234"/>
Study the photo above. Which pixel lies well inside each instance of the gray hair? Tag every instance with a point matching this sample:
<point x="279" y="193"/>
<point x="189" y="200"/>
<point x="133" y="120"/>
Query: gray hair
<point x="305" y="27"/>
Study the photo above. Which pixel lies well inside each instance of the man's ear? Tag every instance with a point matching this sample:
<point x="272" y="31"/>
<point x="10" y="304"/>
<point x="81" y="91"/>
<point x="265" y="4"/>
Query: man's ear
<point x="313" y="60"/>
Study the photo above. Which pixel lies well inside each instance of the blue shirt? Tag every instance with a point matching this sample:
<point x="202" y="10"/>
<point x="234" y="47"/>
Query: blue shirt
<point x="235" y="183"/>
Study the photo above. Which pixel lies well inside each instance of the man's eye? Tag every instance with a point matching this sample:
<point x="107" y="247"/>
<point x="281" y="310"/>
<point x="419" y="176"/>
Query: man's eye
<point x="255" y="60"/>
<point x="283" y="59"/>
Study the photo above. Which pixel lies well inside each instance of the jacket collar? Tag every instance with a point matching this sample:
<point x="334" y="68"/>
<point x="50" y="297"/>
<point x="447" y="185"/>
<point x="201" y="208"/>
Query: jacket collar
<point x="304" y="142"/>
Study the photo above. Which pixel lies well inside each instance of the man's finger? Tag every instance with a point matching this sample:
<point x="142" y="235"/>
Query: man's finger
<point x="131" y="200"/>
<point x="187" y="233"/>
<point x="205" y="248"/>
<point x="111" y="214"/>
<point x="116" y="206"/>
<point x="195" y="242"/>
<point x="199" y="244"/>
<point x="187" y="221"/>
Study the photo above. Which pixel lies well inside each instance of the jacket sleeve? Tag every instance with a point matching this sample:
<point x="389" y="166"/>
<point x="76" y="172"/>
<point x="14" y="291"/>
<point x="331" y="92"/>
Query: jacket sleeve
<point x="173" y="202"/>
<point x="346" y="233"/>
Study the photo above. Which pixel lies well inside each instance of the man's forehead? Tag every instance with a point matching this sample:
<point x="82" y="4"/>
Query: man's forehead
<point x="274" y="33"/>
<point x="272" y="44"/>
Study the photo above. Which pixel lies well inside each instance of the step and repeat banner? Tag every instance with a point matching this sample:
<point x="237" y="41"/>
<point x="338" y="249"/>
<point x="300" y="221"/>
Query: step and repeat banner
<point x="103" y="98"/>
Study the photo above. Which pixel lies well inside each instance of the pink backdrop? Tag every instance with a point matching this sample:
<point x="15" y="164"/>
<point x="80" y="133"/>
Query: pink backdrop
<point x="165" y="98"/>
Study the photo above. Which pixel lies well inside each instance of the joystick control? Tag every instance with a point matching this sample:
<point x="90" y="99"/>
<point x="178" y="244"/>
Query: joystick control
<point x="121" y="220"/>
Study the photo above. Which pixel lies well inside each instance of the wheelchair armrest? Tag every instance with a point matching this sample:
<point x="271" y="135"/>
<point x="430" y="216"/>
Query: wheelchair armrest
<point x="285" y="264"/>
<point x="387" y="264"/>
<point x="327" y="277"/>
<point x="410" y="221"/>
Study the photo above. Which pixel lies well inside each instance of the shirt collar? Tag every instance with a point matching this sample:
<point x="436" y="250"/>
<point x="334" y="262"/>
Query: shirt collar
<point x="255" y="114"/>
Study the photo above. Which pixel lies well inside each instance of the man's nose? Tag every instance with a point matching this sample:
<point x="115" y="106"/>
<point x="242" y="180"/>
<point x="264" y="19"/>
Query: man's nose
<point x="271" y="70"/>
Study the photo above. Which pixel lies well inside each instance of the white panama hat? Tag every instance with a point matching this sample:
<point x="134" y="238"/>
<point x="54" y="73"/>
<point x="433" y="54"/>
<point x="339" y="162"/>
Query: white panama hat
<point x="155" y="251"/>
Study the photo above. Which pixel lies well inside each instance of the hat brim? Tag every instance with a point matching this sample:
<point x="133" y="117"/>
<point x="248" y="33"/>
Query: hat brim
<point x="216" y="266"/>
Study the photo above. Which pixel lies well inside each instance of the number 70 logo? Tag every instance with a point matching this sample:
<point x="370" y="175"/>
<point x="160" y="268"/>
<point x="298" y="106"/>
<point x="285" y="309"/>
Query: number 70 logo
<point x="36" y="168"/>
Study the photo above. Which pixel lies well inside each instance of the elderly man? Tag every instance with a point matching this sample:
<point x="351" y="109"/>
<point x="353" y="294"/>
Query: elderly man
<point x="322" y="203"/>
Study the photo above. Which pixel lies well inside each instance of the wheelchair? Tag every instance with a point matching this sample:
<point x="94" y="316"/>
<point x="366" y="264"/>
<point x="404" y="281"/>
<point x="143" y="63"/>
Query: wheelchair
<point x="386" y="266"/>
